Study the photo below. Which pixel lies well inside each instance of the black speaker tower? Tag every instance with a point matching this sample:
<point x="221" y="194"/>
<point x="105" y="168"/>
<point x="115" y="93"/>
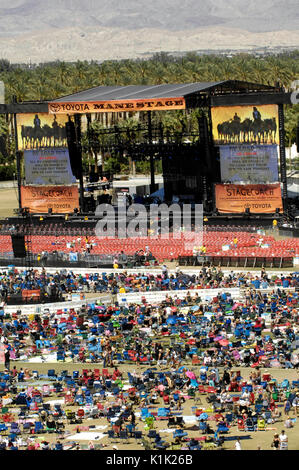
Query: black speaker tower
<point x="18" y="246"/>
<point x="75" y="157"/>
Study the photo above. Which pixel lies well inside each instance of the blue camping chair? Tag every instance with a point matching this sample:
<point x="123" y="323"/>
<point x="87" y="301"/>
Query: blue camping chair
<point x="163" y="413"/>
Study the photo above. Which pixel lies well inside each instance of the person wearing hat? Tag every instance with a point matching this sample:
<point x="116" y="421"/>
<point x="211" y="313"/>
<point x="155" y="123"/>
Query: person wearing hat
<point x="288" y="423"/>
<point x="275" y="442"/>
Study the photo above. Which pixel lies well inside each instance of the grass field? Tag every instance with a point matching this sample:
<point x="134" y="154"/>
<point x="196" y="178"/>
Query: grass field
<point x="255" y="440"/>
<point x="9" y="202"/>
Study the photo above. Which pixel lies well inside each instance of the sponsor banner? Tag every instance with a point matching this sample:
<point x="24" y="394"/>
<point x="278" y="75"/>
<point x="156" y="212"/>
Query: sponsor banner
<point x="250" y="164"/>
<point x="115" y="106"/>
<point x="158" y="296"/>
<point x="41" y="130"/>
<point x="39" y="199"/>
<point x="30" y="294"/>
<point x="245" y="124"/>
<point x="259" y="198"/>
<point x="48" y="167"/>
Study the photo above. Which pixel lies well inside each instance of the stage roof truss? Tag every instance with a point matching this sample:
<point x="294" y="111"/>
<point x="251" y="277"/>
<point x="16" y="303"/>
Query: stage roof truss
<point x="153" y="97"/>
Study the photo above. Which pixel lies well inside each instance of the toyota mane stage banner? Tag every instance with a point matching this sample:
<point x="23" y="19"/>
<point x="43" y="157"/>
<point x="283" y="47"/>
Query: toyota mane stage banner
<point x="259" y="198"/>
<point x="41" y="130"/>
<point x="116" y="106"/>
<point x="250" y="164"/>
<point x="39" y="199"/>
<point x="245" y="124"/>
<point x="48" y="167"/>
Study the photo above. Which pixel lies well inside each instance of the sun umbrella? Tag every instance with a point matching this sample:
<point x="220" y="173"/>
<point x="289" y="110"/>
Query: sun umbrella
<point x="203" y="416"/>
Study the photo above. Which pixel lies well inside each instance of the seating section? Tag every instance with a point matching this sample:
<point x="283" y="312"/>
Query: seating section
<point x="162" y="248"/>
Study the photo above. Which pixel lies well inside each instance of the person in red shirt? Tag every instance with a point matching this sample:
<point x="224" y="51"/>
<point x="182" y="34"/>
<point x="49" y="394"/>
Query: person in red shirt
<point x="116" y="373"/>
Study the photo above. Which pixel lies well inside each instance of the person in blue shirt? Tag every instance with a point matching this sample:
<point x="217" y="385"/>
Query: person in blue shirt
<point x="257" y="283"/>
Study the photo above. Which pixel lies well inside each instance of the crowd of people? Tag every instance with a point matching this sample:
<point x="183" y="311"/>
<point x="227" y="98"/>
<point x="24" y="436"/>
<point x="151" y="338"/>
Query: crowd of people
<point x="268" y="320"/>
<point x="180" y="348"/>
<point x="224" y="402"/>
<point x="13" y="281"/>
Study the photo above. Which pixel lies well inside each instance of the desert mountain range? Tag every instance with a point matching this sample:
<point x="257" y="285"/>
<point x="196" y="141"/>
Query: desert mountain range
<point x="44" y="30"/>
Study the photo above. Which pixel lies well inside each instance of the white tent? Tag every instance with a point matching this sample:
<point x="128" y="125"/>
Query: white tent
<point x="293" y="190"/>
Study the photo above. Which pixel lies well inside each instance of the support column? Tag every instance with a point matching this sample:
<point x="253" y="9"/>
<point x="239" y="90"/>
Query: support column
<point x="79" y="153"/>
<point x="18" y="157"/>
<point x="152" y="163"/>
<point x="282" y="156"/>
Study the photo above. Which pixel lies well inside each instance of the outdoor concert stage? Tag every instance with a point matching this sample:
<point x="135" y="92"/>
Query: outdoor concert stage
<point x="230" y="164"/>
<point x="234" y="164"/>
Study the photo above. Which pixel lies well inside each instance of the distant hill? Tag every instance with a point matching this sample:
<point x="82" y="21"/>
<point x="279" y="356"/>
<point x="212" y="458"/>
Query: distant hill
<point x="100" y="29"/>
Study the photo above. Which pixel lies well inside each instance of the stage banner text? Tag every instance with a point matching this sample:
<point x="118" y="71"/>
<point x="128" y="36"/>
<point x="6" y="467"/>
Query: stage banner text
<point x="39" y="199"/>
<point x="116" y="106"/>
<point x="250" y="164"/>
<point x="259" y="198"/>
<point x="48" y="167"/>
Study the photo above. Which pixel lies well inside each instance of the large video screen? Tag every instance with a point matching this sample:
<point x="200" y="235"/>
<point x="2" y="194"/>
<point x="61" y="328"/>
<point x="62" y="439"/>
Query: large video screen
<point x="41" y="130"/>
<point x="245" y="124"/>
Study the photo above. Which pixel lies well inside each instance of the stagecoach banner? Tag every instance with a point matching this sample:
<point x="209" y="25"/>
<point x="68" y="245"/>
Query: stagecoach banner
<point x="259" y="198"/>
<point x="41" y="131"/>
<point x="250" y="164"/>
<point x="39" y="199"/>
<point x="116" y="106"/>
<point x="245" y="124"/>
<point x="48" y="167"/>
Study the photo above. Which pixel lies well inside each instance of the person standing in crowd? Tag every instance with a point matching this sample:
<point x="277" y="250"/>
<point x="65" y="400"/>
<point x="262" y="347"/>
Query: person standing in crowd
<point x="276" y="442"/>
<point x="238" y="444"/>
<point x="283" y="440"/>
<point x="7" y="358"/>
<point x="235" y="242"/>
<point x="165" y="271"/>
<point x="295" y="404"/>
